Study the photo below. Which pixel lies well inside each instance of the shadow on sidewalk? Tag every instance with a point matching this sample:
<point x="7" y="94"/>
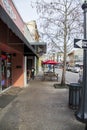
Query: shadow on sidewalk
<point x="8" y="96"/>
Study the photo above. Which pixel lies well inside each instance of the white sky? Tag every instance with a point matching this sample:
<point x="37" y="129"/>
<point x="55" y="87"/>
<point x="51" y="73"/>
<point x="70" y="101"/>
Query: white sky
<point x="25" y="9"/>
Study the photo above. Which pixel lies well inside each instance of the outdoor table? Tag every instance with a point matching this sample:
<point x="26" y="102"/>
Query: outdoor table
<point x="50" y="75"/>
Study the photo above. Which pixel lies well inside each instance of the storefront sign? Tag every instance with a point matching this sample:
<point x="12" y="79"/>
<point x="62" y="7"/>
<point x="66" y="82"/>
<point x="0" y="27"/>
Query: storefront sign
<point x="9" y="9"/>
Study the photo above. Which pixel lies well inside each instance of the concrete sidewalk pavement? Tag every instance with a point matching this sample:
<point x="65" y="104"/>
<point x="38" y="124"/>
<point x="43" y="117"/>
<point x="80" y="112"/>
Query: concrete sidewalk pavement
<point x="38" y="107"/>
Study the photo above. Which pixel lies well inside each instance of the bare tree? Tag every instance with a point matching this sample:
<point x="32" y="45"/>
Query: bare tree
<point x="60" y="22"/>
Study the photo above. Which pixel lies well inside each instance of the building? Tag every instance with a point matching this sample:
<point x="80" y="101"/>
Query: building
<point x="75" y="57"/>
<point x="38" y="45"/>
<point x="32" y="26"/>
<point x="14" y="47"/>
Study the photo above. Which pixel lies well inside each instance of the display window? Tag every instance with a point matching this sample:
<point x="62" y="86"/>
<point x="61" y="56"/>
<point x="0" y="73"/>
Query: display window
<point x="6" y="67"/>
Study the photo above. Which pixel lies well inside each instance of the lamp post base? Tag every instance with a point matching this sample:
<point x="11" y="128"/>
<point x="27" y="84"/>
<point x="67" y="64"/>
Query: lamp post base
<point x="81" y="117"/>
<point x="86" y="127"/>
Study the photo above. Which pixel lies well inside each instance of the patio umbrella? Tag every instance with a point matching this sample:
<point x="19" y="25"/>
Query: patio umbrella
<point x="52" y="62"/>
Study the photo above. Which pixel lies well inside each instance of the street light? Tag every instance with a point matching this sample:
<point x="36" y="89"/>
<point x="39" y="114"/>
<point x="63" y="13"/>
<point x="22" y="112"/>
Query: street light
<point x="81" y="114"/>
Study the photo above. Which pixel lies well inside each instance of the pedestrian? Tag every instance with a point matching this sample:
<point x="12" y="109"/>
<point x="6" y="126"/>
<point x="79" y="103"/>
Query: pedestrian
<point x="32" y="73"/>
<point x="28" y="75"/>
<point x="49" y="67"/>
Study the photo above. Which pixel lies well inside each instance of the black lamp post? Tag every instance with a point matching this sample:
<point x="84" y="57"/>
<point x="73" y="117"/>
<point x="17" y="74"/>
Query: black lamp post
<point x="81" y="114"/>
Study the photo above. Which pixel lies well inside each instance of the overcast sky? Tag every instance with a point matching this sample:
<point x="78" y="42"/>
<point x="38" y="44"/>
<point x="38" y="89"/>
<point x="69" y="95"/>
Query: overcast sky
<point x="25" y="9"/>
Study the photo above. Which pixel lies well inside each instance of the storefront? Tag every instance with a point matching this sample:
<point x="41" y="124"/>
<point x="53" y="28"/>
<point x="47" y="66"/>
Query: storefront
<point x="14" y="48"/>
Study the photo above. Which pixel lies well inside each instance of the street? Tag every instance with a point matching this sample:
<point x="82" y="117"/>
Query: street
<point x="70" y="76"/>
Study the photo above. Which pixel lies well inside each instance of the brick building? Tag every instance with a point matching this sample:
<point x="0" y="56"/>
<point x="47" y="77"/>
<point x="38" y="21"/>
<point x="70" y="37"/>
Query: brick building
<point x="14" y="47"/>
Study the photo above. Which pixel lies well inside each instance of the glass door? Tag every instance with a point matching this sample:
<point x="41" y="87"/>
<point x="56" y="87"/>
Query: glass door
<point x="8" y="71"/>
<point x="5" y="70"/>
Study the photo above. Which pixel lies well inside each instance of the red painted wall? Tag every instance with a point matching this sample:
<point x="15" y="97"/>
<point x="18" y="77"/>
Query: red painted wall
<point x="18" y="59"/>
<point x="14" y="15"/>
<point x="18" y="70"/>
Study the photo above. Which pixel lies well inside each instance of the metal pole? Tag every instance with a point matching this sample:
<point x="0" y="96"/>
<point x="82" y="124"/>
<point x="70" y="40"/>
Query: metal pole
<point x="86" y="127"/>
<point x="81" y="114"/>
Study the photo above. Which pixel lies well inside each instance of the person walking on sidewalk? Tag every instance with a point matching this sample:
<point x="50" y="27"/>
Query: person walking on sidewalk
<point x="32" y="73"/>
<point x="28" y="75"/>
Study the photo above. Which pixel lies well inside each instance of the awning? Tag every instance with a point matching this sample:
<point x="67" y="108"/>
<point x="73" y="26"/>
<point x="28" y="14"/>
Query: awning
<point x="41" y="47"/>
<point x="11" y="25"/>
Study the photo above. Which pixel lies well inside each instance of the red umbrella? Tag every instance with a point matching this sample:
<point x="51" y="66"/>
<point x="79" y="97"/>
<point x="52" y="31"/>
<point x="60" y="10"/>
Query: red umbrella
<point x="52" y="62"/>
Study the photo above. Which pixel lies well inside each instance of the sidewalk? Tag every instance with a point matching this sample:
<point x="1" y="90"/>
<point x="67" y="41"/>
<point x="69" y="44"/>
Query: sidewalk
<point x="38" y="107"/>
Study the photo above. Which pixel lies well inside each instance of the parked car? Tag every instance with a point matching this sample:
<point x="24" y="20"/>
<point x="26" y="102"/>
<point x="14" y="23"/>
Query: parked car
<point x="75" y="69"/>
<point x="68" y="68"/>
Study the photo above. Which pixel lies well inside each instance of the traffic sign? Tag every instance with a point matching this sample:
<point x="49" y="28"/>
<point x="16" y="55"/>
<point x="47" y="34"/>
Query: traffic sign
<point x="84" y="43"/>
<point x="80" y="43"/>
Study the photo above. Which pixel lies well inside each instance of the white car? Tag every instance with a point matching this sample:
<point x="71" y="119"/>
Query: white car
<point x="76" y="69"/>
<point x="68" y="68"/>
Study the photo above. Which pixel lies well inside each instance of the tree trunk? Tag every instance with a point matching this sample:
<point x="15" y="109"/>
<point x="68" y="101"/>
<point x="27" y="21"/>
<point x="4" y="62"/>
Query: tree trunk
<point x="65" y="48"/>
<point x="63" y="76"/>
<point x="64" y="67"/>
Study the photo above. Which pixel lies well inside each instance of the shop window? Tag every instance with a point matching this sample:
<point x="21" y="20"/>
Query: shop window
<point x="5" y="70"/>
